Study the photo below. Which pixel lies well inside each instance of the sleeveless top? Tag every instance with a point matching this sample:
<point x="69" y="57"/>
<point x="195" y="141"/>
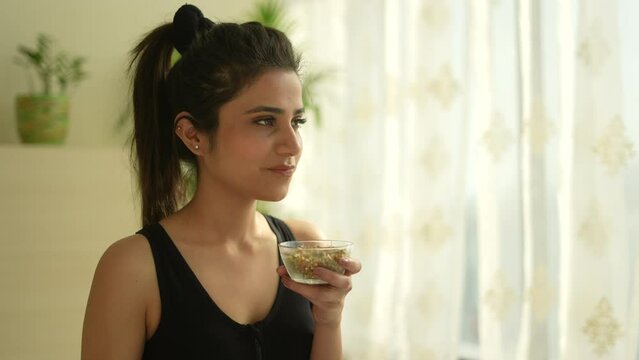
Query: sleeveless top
<point x="192" y="326"/>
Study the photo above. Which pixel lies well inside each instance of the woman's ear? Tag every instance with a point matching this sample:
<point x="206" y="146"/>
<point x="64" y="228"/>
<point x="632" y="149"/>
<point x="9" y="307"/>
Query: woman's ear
<point x="190" y="136"/>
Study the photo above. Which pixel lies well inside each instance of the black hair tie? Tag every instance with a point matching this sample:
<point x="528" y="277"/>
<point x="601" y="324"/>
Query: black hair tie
<point x="187" y="23"/>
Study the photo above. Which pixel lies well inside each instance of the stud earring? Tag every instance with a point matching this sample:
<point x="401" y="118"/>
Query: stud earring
<point x="197" y="147"/>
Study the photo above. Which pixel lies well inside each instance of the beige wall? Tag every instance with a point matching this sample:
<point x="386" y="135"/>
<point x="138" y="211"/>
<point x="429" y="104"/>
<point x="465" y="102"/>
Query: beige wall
<point x="103" y="31"/>
<point x="60" y="207"/>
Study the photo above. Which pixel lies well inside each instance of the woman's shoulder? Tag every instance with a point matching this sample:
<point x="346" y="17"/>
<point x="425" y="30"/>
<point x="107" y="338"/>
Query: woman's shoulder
<point x="128" y="250"/>
<point x="127" y="261"/>
<point x="304" y="230"/>
<point x="121" y="292"/>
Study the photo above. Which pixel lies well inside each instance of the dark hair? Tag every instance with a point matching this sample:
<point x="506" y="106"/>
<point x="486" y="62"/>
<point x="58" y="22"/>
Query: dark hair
<point x="217" y="62"/>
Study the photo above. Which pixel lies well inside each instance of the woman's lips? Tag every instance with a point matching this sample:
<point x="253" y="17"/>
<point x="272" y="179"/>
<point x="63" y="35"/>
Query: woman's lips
<point x="283" y="170"/>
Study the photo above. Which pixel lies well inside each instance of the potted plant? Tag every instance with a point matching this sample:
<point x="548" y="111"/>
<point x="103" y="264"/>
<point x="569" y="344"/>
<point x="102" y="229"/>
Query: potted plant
<point x="43" y="116"/>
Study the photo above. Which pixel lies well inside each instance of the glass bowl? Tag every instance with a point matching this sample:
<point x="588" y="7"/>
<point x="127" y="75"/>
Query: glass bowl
<point x="301" y="257"/>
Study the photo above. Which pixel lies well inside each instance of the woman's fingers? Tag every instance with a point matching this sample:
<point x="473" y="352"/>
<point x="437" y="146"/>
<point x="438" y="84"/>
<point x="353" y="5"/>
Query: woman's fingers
<point x="351" y="266"/>
<point x="316" y="294"/>
<point x="336" y="284"/>
<point x="334" y="279"/>
<point x="281" y="270"/>
<point x="340" y="281"/>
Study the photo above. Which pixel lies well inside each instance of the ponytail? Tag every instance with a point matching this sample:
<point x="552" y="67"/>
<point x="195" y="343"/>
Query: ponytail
<point x="157" y="162"/>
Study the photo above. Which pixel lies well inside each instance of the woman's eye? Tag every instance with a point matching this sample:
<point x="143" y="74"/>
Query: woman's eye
<point x="298" y="122"/>
<point x="265" y="122"/>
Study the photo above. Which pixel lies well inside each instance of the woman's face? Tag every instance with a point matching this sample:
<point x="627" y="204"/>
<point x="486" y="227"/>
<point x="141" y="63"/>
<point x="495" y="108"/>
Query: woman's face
<point x="257" y="145"/>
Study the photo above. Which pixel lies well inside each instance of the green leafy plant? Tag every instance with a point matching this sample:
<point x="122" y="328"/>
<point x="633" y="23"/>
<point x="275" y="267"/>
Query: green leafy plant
<point x="272" y="13"/>
<point x="51" y="66"/>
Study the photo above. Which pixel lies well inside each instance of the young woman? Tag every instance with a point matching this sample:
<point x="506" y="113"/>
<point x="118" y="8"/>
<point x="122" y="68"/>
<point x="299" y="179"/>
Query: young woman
<point x="204" y="281"/>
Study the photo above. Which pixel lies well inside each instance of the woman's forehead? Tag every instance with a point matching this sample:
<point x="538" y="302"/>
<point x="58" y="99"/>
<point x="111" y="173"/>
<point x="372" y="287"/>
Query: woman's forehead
<point x="276" y="88"/>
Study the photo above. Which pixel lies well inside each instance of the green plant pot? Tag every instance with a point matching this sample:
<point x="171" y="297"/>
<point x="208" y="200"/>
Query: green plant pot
<point x="42" y="119"/>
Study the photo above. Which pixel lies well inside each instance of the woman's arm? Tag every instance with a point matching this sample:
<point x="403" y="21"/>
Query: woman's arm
<point x="327" y="300"/>
<point x="114" y="322"/>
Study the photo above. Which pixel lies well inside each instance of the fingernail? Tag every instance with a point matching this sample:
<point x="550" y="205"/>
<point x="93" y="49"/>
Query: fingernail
<point x="345" y="261"/>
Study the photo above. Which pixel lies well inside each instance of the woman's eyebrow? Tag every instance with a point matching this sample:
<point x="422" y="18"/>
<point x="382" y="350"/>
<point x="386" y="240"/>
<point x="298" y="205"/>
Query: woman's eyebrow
<point x="271" y="109"/>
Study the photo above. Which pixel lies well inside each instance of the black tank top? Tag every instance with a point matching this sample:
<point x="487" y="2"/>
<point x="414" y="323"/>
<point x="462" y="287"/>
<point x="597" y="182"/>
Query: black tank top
<point x="193" y="327"/>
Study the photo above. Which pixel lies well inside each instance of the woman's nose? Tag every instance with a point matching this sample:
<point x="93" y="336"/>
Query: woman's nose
<point x="289" y="142"/>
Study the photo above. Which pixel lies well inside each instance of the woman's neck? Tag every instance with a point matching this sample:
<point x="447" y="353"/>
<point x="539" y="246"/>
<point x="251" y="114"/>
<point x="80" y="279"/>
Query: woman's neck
<point x="220" y="217"/>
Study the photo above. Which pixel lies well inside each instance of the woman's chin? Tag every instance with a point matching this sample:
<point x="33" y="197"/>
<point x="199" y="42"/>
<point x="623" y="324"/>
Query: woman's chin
<point x="274" y="196"/>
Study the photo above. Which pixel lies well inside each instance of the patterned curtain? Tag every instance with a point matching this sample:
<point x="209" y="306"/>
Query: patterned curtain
<point x="557" y="259"/>
<point x="500" y="124"/>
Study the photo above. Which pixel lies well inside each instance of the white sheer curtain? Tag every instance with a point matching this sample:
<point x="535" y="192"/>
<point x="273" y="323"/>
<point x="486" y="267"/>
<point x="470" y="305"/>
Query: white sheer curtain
<point x="557" y="256"/>
<point x="516" y="116"/>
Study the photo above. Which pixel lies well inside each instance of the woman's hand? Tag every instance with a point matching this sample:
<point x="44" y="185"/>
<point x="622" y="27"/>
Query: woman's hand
<point x="327" y="299"/>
